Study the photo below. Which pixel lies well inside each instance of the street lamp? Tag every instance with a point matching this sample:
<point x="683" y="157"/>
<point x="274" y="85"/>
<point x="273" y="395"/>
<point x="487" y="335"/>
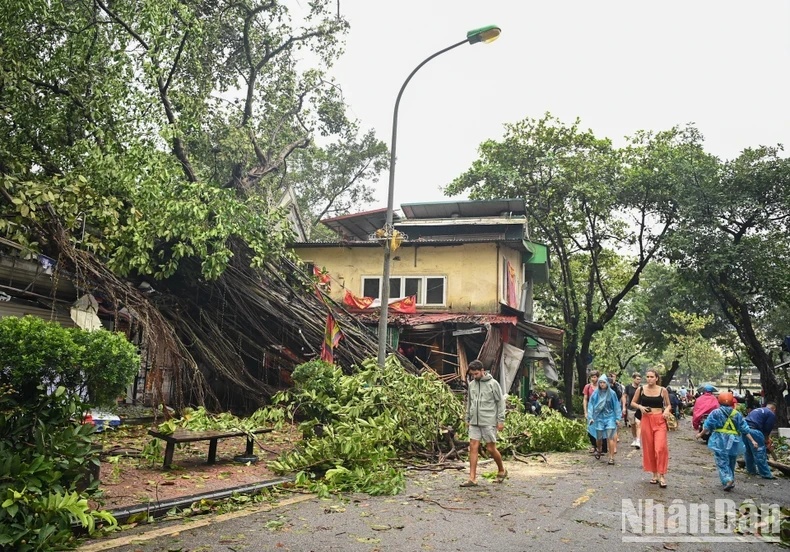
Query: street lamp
<point x="484" y="35"/>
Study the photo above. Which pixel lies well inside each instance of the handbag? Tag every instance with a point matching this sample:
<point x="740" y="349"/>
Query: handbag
<point x="672" y="422"/>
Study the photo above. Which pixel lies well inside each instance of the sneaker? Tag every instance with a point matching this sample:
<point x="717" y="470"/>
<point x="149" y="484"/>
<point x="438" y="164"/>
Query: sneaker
<point x="638" y="443"/>
<point x="635" y="443"/>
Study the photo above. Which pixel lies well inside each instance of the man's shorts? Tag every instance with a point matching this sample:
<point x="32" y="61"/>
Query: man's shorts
<point x="631" y="416"/>
<point x="486" y="434"/>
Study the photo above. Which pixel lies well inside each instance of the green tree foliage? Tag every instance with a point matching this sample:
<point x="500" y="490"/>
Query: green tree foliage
<point x="617" y="348"/>
<point x="735" y="238"/>
<point x="108" y="363"/>
<point x="151" y="130"/>
<point x="662" y="290"/>
<point x="356" y="426"/>
<point x="150" y="140"/>
<point x="689" y="352"/>
<point x="587" y="200"/>
<point x="333" y="179"/>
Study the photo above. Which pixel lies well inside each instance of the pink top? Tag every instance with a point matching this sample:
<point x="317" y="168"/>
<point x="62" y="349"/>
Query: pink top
<point x="588" y="390"/>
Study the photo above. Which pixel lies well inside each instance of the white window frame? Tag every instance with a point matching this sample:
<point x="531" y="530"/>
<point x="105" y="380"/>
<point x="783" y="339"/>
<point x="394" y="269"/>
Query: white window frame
<point x="421" y="297"/>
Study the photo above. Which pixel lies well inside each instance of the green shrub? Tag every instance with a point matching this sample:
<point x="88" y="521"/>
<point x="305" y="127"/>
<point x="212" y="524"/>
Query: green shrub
<point x="35" y="352"/>
<point x="46" y="453"/>
<point x="108" y="362"/>
<point x="549" y="432"/>
<point x="44" y="470"/>
<point x="97" y="365"/>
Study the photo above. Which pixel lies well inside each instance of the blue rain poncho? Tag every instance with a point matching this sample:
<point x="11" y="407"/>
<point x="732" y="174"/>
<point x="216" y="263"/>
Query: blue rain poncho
<point x="604" y="410"/>
<point x="729" y="439"/>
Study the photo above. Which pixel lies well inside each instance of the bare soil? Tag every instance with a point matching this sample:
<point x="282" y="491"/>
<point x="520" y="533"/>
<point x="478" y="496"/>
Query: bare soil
<point x="130" y="478"/>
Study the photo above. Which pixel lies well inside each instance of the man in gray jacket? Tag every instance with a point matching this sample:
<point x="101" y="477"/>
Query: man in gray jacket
<point x="485" y="415"/>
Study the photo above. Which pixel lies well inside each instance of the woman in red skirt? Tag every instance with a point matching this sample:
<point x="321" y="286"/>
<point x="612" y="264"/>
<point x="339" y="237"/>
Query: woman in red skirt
<point x="653" y="401"/>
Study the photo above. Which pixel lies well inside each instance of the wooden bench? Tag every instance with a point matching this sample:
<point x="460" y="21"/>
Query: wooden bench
<point x="189" y="436"/>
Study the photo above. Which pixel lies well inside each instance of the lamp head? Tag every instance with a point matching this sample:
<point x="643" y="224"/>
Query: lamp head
<point x="484" y="34"/>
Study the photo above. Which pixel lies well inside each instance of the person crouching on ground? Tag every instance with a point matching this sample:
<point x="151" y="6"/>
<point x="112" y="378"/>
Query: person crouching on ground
<point x="603" y="411"/>
<point x="485" y="415"/>
<point x="727" y="429"/>
<point x="761" y="422"/>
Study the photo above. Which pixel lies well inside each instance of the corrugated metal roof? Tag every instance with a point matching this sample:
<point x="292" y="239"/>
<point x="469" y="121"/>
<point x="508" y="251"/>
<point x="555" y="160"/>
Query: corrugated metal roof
<point x="469" y="208"/>
<point x="358" y="225"/>
<point x="551" y="335"/>
<point x="425" y="240"/>
<point x="418" y="319"/>
<point x="362" y="225"/>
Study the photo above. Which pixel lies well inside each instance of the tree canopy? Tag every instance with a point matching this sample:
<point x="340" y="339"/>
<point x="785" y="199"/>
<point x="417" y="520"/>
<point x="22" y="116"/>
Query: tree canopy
<point x="734" y="238"/>
<point x="148" y="141"/>
<point x="589" y="202"/>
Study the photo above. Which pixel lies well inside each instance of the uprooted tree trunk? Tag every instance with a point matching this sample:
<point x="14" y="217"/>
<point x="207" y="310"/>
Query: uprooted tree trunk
<point x="229" y="343"/>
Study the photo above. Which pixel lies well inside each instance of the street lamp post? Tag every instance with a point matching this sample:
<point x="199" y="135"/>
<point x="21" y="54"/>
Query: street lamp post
<point x="484" y="35"/>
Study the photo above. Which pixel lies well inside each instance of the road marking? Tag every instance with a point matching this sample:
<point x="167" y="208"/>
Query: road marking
<point x="168" y="531"/>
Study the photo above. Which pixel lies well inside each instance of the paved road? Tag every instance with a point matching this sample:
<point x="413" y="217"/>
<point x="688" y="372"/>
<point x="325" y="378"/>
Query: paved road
<point x="571" y="503"/>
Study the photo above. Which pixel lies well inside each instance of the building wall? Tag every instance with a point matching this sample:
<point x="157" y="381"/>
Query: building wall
<point x="750" y="379"/>
<point x="19" y="310"/>
<point x="473" y="272"/>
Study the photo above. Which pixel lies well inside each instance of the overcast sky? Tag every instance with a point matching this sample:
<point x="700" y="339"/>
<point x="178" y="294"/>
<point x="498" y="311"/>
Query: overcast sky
<point x="620" y="66"/>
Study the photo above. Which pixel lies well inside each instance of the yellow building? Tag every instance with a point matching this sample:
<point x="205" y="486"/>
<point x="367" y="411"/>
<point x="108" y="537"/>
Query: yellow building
<point x="460" y="280"/>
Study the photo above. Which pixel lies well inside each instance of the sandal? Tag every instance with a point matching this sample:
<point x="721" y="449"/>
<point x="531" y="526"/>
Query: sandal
<point x="500" y="477"/>
<point x="597" y="454"/>
<point x="653" y="481"/>
<point x="611" y="461"/>
<point x="662" y="483"/>
<point x="469" y="483"/>
<point x="729" y="486"/>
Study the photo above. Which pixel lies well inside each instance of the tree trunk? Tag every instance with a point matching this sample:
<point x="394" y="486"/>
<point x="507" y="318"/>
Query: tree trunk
<point x="671" y="373"/>
<point x="568" y="365"/>
<point x="739" y="316"/>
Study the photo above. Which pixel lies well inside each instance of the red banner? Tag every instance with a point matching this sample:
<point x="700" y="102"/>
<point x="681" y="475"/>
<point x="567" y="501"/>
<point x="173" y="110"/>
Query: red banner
<point x="406" y="305"/>
<point x="332" y="336"/>
<point x="355" y="302"/>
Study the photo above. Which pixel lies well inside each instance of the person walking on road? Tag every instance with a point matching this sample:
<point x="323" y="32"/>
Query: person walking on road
<point x="485" y="415"/>
<point x="603" y="411"/>
<point x="761" y="422"/>
<point x="631" y="412"/>
<point x="588" y="390"/>
<point x="704" y="405"/>
<point x="727" y="429"/>
<point x="652" y="401"/>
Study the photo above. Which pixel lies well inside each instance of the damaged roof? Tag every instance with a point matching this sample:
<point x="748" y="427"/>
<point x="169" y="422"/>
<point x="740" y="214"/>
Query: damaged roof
<point x="422" y="219"/>
<point x="418" y="319"/>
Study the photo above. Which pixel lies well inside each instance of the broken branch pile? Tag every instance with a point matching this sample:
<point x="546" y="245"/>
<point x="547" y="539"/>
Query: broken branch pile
<point x="358" y="428"/>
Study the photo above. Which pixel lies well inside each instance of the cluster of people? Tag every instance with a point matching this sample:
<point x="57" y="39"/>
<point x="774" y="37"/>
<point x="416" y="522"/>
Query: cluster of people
<point x="646" y="408"/>
<point x="730" y="434"/>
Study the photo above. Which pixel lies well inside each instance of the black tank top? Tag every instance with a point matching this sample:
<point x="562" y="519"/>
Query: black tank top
<point x="652" y="402"/>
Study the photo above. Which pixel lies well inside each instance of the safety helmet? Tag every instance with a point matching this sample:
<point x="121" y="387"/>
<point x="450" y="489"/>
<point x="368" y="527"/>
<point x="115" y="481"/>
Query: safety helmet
<point x="726" y="399"/>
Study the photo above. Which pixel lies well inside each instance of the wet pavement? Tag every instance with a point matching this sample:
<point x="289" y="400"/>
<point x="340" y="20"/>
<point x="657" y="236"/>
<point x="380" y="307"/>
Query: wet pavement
<point x="572" y="502"/>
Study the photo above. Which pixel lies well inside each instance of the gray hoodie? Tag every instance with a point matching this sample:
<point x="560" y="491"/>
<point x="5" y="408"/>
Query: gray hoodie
<point x="485" y="404"/>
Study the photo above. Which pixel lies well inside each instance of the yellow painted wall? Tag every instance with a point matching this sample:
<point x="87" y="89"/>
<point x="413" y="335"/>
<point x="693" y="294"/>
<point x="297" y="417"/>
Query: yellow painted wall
<point x="473" y="271"/>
